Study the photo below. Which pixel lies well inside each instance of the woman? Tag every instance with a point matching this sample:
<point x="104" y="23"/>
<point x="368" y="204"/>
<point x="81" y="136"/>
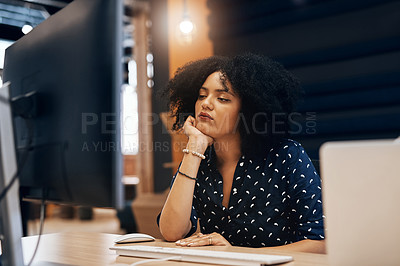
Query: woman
<point x="246" y="183"/>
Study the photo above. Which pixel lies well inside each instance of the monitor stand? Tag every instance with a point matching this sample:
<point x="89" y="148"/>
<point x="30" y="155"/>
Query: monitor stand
<point x="10" y="212"/>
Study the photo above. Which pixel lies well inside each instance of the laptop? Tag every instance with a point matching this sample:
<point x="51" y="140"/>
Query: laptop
<point x="361" y="197"/>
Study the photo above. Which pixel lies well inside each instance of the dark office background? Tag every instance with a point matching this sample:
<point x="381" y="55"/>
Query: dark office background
<point x="346" y="54"/>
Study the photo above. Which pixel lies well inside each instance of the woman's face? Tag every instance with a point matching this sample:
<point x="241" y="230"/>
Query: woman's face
<point x="217" y="108"/>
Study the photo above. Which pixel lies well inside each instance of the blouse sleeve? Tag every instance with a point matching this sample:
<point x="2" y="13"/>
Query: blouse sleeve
<point x="305" y="190"/>
<point x="193" y="214"/>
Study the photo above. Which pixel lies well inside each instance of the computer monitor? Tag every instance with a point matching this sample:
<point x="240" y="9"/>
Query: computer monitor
<point x="73" y="63"/>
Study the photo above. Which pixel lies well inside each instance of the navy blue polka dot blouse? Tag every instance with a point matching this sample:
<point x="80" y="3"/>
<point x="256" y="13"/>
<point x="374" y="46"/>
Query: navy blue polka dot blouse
<point x="274" y="201"/>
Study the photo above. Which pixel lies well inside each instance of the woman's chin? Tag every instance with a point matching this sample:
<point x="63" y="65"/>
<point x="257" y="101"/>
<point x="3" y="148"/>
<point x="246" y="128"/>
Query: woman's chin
<point x="205" y="129"/>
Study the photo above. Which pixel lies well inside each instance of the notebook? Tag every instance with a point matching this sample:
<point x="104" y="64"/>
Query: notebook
<point x="361" y="197"/>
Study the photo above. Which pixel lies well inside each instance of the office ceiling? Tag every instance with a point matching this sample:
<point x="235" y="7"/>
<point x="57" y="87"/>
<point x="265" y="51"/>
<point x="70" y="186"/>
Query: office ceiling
<point x="16" y="13"/>
<point x="51" y="6"/>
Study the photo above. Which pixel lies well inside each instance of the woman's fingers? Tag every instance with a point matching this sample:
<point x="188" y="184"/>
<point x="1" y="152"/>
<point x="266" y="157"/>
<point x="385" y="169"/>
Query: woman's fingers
<point x="189" y="126"/>
<point x="189" y="129"/>
<point x="190" y="121"/>
<point x="185" y="241"/>
<point x="197" y="240"/>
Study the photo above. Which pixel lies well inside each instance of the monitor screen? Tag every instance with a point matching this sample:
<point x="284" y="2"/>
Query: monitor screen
<point x="73" y="61"/>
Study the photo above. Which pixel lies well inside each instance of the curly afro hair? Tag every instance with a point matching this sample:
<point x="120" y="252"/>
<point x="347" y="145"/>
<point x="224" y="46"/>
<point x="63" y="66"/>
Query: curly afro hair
<point x="267" y="90"/>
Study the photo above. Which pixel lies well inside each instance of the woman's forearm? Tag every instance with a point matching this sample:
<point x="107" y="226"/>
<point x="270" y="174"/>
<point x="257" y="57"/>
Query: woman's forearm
<point x="175" y="217"/>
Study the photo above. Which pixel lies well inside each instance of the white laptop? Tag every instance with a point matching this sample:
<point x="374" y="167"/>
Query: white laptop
<point x="361" y="195"/>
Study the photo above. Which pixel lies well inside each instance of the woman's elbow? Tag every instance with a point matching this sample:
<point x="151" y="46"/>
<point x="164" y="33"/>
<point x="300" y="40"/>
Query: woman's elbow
<point x="172" y="233"/>
<point x="170" y="237"/>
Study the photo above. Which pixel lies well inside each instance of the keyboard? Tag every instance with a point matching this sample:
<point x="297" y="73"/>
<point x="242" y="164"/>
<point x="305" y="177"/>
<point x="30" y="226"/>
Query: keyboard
<point x="200" y="255"/>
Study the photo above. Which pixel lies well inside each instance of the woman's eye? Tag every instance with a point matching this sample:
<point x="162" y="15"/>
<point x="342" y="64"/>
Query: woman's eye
<point x="202" y="96"/>
<point x="224" y="100"/>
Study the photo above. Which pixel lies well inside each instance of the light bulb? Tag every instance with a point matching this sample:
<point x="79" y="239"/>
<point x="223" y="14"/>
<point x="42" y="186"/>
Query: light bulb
<point x="27" y="28"/>
<point x="186" y="26"/>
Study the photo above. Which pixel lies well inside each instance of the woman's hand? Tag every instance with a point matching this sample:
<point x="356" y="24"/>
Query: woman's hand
<point x="197" y="240"/>
<point x="190" y="130"/>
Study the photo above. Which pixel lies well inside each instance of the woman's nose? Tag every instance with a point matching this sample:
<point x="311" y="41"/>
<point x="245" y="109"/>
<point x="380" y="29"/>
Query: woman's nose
<point x="207" y="104"/>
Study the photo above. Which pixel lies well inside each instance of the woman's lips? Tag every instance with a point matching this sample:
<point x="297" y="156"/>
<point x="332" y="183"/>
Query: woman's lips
<point x="205" y="116"/>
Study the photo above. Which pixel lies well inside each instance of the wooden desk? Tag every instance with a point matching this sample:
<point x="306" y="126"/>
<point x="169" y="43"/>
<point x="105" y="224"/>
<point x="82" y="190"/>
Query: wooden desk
<point x="93" y="249"/>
